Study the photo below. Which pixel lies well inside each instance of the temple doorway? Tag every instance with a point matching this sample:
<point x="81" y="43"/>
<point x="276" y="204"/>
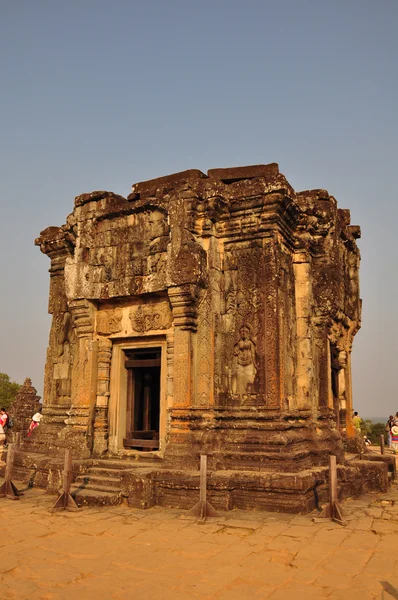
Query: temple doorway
<point x="143" y="398"/>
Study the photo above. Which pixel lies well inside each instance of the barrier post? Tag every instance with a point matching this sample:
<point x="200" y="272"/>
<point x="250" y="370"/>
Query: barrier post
<point x="382" y="443"/>
<point x="203" y="508"/>
<point x="65" y="500"/>
<point x="333" y="509"/>
<point x="8" y="489"/>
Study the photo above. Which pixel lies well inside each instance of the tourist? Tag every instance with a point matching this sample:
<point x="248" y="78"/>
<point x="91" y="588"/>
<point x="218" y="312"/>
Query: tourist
<point x="394" y="438"/>
<point x="34" y="422"/>
<point x="356" y="421"/>
<point x="3" y="417"/>
<point x="389" y="424"/>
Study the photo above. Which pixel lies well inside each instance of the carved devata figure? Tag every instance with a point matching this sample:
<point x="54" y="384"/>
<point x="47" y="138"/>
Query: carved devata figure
<point x="244" y="364"/>
<point x="63" y="357"/>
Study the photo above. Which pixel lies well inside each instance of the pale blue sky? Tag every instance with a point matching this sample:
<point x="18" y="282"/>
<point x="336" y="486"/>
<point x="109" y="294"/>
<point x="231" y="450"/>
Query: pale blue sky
<point x="99" y="95"/>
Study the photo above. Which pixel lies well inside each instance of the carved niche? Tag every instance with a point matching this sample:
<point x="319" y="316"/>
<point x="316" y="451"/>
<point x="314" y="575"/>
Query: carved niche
<point x="243" y="344"/>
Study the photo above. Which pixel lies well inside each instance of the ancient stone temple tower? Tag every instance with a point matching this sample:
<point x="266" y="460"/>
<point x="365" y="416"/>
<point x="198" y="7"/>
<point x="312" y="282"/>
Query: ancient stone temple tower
<point x="203" y="314"/>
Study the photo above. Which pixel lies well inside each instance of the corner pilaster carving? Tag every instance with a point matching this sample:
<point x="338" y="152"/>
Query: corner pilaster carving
<point x="183" y="299"/>
<point x="82" y="317"/>
<point x="102" y="401"/>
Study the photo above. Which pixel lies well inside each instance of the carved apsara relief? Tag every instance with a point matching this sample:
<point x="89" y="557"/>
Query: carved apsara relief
<point x="244" y="363"/>
<point x="63" y="337"/>
<point x="243" y="325"/>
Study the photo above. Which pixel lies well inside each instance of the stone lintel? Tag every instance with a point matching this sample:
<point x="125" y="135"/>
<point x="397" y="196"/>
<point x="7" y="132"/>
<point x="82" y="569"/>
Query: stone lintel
<point x="250" y="172"/>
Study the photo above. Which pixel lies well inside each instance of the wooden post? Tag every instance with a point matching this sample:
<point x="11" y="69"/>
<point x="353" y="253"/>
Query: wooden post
<point x="203" y="480"/>
<point x="382" y="443"/>
<point x="8" y="489"/>
<point x="333" y="509"/>
<point x="65" y="500"/>
<point x="332" y="479"/>
<point x="203" y="508"/>
<point x="18" y="438"/>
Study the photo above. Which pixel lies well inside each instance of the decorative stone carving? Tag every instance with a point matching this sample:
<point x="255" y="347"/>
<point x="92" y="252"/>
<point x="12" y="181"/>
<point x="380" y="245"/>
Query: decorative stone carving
<point x="63" y="354"/>
<point x="243" y="319"/>
<point x="150" y="317"/>
<point x="101" y="408"/>
<point x="244" y="363"/>
<point x="183" y="300"/>
<point x="109" y="321"/>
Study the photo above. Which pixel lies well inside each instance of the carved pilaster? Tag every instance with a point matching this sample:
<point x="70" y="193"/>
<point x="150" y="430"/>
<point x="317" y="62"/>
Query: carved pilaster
<point x="83" y="317"/>
<point x="322" y="362"/>
<point x="183" y="301"/>
<point x="101" y="408"/>
<point x="84" y="371"/>
<point x="272" y="362"/>
<point x="170" y="369"/>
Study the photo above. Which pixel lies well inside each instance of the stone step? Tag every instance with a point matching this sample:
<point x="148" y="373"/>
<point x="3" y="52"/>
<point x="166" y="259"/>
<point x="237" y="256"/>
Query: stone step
<point x="122" y="464"/>
<point x="90" y="478"/>
<point x="100" y="487"/>
<point x="89" y="497"/>
<point x="104" y="472"/>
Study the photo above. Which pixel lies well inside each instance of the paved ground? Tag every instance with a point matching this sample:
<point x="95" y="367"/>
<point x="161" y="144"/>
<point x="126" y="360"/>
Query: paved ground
<point x="122" y="553"/>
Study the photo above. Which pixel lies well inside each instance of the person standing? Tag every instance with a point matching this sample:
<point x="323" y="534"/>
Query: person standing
<point x="356" y="421"/>
<point x="3" y="425"/>
<point x="394" y="438"/>
<point x="389" y="425"/>
<point x="34" y="422"/>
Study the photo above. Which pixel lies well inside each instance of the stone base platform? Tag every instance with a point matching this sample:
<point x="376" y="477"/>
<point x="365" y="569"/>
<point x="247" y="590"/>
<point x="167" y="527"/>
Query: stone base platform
<point x="144" y="484"/>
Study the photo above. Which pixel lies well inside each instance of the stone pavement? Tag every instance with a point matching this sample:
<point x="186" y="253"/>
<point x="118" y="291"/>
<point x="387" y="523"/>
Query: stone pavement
<point x="119" y="553"/>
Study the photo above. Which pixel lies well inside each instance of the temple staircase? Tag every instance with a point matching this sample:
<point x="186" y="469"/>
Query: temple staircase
<point x="101" y="484"/>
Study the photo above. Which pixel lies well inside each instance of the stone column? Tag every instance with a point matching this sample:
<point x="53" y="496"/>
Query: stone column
<point x="84" y="376"/>
<point x="58" y="245"/>
<point x="183" y="302"/>
<point x="305" y="357"/>
<point x="102" y="400"/>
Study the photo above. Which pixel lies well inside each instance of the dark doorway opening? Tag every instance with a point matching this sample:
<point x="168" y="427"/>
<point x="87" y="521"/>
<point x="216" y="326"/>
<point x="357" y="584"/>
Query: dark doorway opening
<point x="335" y="383"/>
<point x="143" y="398"/>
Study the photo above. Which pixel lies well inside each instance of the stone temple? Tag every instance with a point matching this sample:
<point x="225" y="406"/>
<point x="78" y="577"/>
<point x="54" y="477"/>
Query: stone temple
<point x="204" y="314"/>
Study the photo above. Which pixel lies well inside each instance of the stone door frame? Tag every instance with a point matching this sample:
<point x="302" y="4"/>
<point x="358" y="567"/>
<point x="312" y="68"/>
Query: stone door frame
<point x="118" y="393"/>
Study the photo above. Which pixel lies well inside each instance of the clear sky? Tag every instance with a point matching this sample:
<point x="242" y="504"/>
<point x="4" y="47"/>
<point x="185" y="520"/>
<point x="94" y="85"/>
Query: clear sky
<point x="99" y="95"/>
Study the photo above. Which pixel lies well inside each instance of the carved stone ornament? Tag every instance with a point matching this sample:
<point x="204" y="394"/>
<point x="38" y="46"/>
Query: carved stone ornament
<point x="109" y="321"/>
<point x="151" y="317"/>
<point x="244" y="363"/>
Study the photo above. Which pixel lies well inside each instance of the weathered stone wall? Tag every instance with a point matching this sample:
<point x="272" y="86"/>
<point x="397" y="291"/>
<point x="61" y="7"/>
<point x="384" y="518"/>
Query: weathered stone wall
<point x="250" y="290"/>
